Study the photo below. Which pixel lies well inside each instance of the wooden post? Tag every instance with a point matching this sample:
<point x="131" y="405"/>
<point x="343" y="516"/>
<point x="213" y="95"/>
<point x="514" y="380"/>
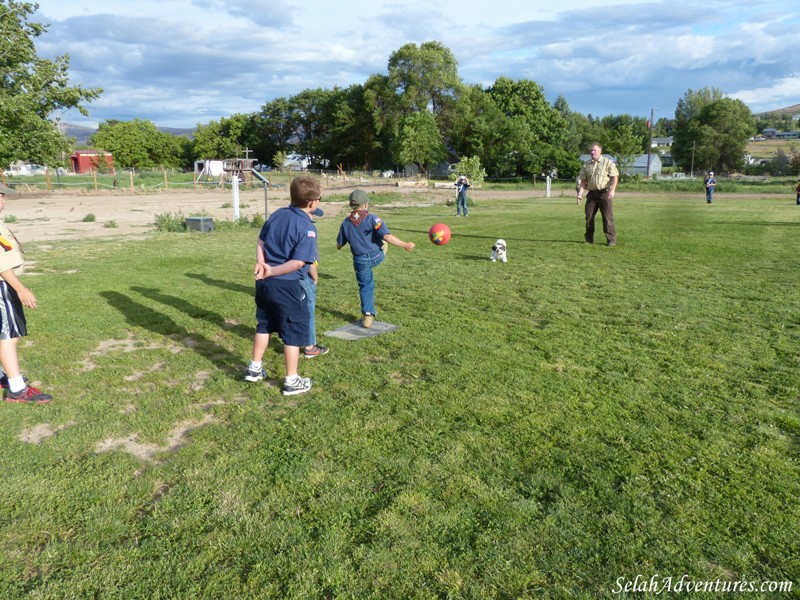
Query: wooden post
<point x="47" y="178"/>
<point x="94" y="178"/>
<point x="131" y="175"/>
<point x="166" y="183"/>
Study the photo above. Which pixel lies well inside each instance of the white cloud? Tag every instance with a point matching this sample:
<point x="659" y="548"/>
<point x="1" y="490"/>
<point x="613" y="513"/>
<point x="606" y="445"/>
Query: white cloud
<point x="179" y="62"/>
<point x="783" y="93"/>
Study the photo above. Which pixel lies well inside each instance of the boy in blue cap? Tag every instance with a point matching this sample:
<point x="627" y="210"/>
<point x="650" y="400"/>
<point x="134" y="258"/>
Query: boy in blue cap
<point x="286" y="249"/>
<point x="366" y="232"/>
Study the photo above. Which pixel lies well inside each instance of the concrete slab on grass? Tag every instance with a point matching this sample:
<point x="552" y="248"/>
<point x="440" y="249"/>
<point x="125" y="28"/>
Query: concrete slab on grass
<point x="354" y="331"/>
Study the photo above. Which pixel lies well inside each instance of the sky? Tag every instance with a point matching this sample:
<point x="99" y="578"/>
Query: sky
<point x="180" y="63"/>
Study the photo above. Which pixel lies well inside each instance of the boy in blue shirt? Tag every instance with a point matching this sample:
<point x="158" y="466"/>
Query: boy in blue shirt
<point x="286" y="249"/>
<point x="366" y="232"/>
<point x="710" y="182"/>
<point x="461" y="200"/>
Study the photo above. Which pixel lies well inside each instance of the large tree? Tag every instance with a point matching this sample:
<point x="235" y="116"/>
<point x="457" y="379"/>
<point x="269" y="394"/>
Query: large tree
<point x="425" y="77"/>
<point x="420" y="141"/>
<point x="684" y="146"/>
<point x="273" y="130"/>
<point x="32" y="91"/>
<point x="720" y="132"/>
<point x="227" y="138"/>
<point x="139" y="144"/>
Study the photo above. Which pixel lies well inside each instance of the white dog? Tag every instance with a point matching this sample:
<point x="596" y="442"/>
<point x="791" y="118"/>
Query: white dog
<point x="499" y="251"/>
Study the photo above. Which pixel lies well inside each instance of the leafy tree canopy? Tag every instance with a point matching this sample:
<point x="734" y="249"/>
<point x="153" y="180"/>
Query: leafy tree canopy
<point x="32" y="90"/>
<point x="139" y="144"/>
<point x="424" y="77"/>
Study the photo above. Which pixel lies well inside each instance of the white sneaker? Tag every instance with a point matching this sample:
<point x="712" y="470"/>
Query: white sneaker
<point x="300" y="385"/>
<point x="254" y="375"/>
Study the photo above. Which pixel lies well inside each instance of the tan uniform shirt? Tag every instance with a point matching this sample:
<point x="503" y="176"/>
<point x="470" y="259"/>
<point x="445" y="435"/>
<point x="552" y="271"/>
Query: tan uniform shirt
<point x="598" y="173"/>
<point x="10" y="251"/>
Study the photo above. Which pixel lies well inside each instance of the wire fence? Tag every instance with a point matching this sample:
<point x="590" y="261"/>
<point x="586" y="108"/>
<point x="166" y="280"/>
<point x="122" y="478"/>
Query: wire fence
<point x="163" y="180"/>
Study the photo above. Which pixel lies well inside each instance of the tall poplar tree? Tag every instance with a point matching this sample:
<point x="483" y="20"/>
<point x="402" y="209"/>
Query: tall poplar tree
<point x="32" y="90"/>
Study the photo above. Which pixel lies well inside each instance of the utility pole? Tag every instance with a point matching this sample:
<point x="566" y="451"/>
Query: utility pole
<point x="692" y="172"/>
<point x="650" y="141"/>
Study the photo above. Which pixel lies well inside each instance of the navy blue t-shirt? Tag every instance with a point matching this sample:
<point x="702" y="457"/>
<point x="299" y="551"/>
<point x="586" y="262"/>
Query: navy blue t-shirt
<point x="364" y="232"/>
<point x="290" y="234"/>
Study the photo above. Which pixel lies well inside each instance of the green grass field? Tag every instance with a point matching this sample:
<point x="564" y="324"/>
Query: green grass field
<point x="539" y="429"/>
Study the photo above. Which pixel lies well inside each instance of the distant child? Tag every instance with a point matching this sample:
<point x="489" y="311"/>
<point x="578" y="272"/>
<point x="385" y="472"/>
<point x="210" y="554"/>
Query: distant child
<point x="797" y="189"/>
<point x="366" y="232"/>
<point x="13" y="296"/>
<point x="462" y="183"/>
<point x="710" y="182"/>
<point x="285" y="251"/>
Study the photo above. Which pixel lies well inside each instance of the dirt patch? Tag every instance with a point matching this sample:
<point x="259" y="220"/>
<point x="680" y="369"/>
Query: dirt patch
<point x="127" y="345"/>
<point x="59" y="215"/>
<point x="39" y="433"/>
<point x="130" y="444"/>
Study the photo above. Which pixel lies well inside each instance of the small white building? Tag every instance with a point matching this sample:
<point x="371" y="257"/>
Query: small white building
<point x="209" y="168"/>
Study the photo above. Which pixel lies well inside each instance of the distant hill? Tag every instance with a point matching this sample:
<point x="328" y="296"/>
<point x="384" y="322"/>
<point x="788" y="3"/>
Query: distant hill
<point x="789" y="110"/>
<point x="82" y="133"/>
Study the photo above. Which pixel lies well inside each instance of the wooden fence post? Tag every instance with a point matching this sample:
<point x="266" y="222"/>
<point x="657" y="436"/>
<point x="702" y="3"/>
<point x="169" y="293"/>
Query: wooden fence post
<point x="131" y="174"/>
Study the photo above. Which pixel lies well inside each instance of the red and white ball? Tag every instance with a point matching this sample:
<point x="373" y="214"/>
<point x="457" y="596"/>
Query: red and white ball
<point x="439" y="234"/>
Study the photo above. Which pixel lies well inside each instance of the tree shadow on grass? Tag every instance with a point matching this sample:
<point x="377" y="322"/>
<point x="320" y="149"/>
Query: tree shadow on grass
<point x="138" y="315"/>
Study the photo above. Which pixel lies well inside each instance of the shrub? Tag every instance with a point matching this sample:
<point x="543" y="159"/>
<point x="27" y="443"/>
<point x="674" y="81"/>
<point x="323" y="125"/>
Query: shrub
<point x="112" y="224"/>
<point x="90" y="218"/>
<point x="243" y="221"/>
<point x="10" y="219"/>
<point x="172" y="223"/>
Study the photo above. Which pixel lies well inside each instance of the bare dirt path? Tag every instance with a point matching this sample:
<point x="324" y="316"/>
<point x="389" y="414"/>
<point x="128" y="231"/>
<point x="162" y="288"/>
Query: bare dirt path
<point x="59" y="215"/>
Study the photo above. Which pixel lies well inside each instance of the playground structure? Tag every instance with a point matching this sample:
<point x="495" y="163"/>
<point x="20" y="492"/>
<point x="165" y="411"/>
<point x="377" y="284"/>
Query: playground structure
<point x="241" y="170"/>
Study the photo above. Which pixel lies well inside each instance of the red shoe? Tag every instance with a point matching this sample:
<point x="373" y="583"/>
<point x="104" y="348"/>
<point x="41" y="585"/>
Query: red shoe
<point x="315" y="350"/>
<point x="30" y="395"/>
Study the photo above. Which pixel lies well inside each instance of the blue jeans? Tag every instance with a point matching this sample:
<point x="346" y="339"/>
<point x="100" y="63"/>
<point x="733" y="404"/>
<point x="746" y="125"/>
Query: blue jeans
<point x="461" y="204"/>
<point x="363" y="265"/>
<point x="311" y="294"/>
<point x="709" y="195"/>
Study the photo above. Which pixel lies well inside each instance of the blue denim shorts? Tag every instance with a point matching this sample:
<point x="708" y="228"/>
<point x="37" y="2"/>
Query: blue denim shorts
<point x="282" y="308"/>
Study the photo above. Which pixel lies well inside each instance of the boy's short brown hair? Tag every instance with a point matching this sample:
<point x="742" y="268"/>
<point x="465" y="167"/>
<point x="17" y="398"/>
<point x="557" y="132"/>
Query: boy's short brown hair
<point x="303" y="190"/>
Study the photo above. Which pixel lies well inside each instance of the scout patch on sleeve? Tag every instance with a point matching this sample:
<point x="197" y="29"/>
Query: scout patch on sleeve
<point x="378" y="223"/>
<point x="312" y="234"/>
<point x="6" y="244"/>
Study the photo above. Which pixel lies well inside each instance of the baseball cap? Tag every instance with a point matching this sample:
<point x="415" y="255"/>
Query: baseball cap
<point x="358" y="198"/>
<point x="318" y="212"/>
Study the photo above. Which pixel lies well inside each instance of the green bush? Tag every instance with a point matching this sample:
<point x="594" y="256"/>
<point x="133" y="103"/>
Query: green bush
<point x="174" y="223"/>
<point x="90" y="218"/>
<point x="112" y="224"/>
<point x="10" y="219"/>
<point x="226" y="225"/>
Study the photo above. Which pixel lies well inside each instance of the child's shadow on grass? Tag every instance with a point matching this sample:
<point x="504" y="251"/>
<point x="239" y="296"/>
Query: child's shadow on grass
<point x="142" y="316"/>
<point x="221" y="283"/>
<point x="193" y="311"/>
